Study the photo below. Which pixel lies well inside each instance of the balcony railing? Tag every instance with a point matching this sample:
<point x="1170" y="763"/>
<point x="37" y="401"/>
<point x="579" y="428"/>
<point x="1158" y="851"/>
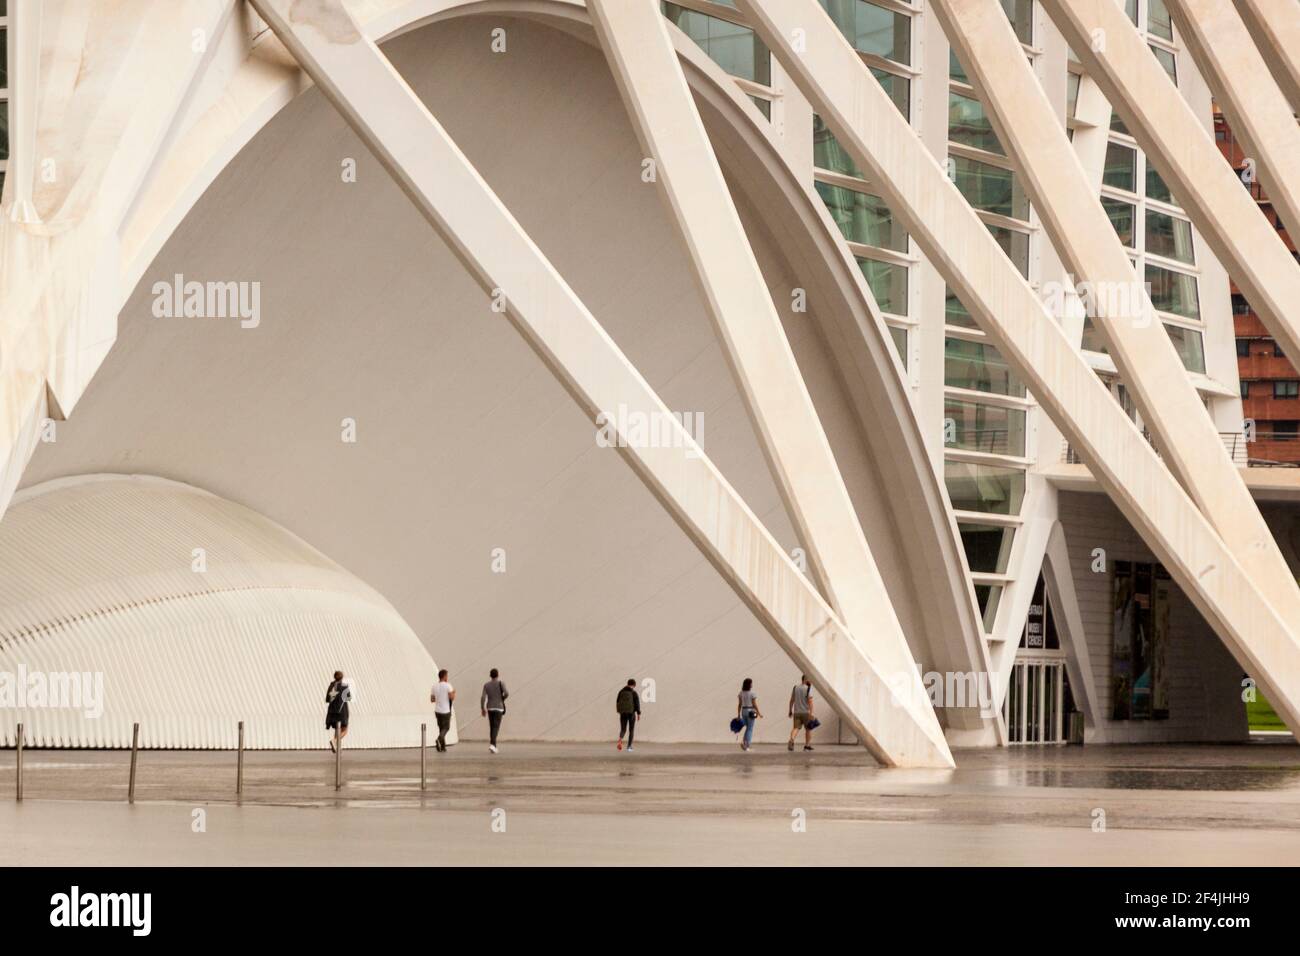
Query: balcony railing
<point x="1235" y="443"/>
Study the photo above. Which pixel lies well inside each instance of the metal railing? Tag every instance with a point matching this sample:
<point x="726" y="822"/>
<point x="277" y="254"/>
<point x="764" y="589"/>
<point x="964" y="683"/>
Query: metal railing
<point x="1234" y="442"/>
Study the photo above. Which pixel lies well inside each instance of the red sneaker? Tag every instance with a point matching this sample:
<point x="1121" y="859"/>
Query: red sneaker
<point x="620" y="743"/>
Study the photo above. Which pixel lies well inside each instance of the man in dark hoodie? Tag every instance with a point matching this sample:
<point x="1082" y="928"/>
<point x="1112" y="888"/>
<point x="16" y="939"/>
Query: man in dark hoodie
<point x="628" y="705"/>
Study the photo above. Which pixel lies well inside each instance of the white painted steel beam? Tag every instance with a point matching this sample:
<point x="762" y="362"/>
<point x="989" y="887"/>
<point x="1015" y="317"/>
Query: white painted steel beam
<point x="634" y="36"/>
<point x="354" y="75"/>
<point x="1005" y="306"/>
<point x="1090" y="249"/>
<point x="1184" y="152"/>
<point x="1275" y="25"/>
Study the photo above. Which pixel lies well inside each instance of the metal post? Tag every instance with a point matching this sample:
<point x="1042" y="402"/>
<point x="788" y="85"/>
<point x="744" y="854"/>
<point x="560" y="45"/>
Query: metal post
<point x="338" y="759"/>
<point x="239" y="766"/>
<point x="19" y="784"/>
<point x="135" y="749"/>
<point x="424" y="752"/>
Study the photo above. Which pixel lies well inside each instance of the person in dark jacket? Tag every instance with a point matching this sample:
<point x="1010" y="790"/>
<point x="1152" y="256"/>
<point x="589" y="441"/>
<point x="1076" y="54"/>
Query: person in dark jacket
<point x="337" y="697"/>
<point x="493" y="705"/>
<point x="628" y="705"/>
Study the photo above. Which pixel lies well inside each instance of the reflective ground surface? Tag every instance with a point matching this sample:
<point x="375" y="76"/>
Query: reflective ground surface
<point x="579" y="803"/>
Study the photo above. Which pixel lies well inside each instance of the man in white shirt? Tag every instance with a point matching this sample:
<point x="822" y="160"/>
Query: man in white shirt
<point x="443" y="696"/>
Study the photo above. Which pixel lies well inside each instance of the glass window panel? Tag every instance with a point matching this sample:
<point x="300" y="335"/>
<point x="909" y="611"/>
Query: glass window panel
<point x="863" y="218"/>
<point x="1117" y="124"/>
<point x="888" y="284"/>
<point x="898" y="88"/>
<point x="968" y="124"/>
<point x="989" y="597"/>
<point x="955" y="70"/>
<point x="990" y="188"/>
<point x="1173" y="292"/>
<point x="955" y="313"/>
<point x="1131" y="8"/>
<point x="992" y="429"/>
<point x="1120" y="171"/>
<point x="1190" y="346"/>
<point x="1159" y="22"/>
<point x="988" y="547"/>
<point x="4" y="59"/>
<point x="764" y="106"/>
<point x="1122" y="217"/>
<point x="734" y="48"/>
<point x="1015" y="244"/>
<point x="873" y="29"/>
<point x="980" y="367"/>
<point x="829" y="154"/>
<point x="1170" y="237"/>
<point x="1168" y="61"/>
<point x="899" y="335"/>
<point x="1021" y="15"/>
<point x="1072" y="82"/>
<point x="4" y="129"/>
<point x="993" y="489"/>
<point x="1156" y="188"/>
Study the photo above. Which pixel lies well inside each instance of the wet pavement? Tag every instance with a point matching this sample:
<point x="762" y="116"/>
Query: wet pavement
<point x="577" y="803"/>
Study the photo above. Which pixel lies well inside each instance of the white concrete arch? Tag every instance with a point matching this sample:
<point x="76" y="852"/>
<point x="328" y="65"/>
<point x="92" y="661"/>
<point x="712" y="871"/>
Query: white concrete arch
<point x="902" y="504"/>
<point x="155" y="602"/>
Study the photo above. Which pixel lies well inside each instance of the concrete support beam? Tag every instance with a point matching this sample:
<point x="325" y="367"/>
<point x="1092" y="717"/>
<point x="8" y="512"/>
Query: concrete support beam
<point x="1184" y="151"/>
<point x="634" y="35"/>
<point x="1005" y="306"/>
<point x="1068" y="206"/>
<point x="1261" y="117"/>
<point x="1275" y="25"/>
<point x="392" y="121"/>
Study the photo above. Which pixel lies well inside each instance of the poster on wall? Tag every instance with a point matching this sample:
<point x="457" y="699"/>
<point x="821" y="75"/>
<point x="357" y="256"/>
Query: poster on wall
<point x="1139" y="636"/>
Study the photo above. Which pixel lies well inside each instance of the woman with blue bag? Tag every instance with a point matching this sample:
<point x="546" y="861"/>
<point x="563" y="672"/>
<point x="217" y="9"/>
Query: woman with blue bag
<point x="746" y="711"/>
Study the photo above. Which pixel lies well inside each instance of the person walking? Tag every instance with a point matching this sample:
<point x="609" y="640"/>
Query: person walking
<point x="493" y="705"/>
<point x="801" y="713"/>
<point x="443" y="696"/>
<point x="628" y="705"/>
<point x="747" y="709"/>
<point x="337" y="697"/>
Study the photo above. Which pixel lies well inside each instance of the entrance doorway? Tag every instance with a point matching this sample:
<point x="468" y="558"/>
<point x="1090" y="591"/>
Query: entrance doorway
<point x="1038" y="705"/>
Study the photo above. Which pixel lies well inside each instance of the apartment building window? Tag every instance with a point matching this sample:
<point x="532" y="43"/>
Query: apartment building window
<point x="1285" y="389"/>
<point x="1243" y="348"/>
<point x="1245" y="389"/>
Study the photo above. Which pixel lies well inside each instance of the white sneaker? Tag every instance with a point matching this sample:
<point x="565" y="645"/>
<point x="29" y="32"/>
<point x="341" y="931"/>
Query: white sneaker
<point x="629" y="748"/>
<point x="492" y="748"/>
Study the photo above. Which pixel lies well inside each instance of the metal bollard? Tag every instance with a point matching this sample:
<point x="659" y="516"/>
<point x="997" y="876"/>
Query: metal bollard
<point x="239" y="766"/>
<point x="424" y="752"/>
<point x="338" y="759"/>
<point x="135" y="749"/>
<point x="19" y="784"/>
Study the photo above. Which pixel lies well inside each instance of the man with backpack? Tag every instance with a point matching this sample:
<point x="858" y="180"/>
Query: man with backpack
<point x="801" y="713"/>
<point x="628" y="705"/>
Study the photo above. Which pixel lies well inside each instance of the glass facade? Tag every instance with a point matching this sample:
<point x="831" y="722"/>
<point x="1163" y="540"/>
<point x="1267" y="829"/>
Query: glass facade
<point x="968" y="125"/>
<point x="888" y="283"/>
<point x="992" y="429"/>
<point x="991" y="188"/>
<point x="993" y="489"/>
<point x="987" y="546"/>
<point x="979" y="367"/>
<point x="733" y="47"/>
<point x="873" y="29"/>
<point x="1173" y="292"/>
<point x="863" y="218"/>
<point x="1170" y="237"/>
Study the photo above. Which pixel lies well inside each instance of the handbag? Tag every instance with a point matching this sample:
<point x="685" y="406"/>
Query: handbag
<point x="812" y="724"/>
<point x="737" y="725"/>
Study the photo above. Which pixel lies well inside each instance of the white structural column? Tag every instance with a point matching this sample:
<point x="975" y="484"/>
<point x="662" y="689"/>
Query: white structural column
<point x="1275" y="25"/>
<point x="1185" y="153"/>
<point x="392" y="121"/>
<point x="1066" y="202"/>
<point x="915" y="186"/>
<point x="1260" y="115"/>
<point x="24" y="55"/>
<point x="634" y="35"/>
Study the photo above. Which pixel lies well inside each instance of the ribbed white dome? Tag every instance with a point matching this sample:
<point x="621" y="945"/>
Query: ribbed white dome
<point x="97" y="576"/>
